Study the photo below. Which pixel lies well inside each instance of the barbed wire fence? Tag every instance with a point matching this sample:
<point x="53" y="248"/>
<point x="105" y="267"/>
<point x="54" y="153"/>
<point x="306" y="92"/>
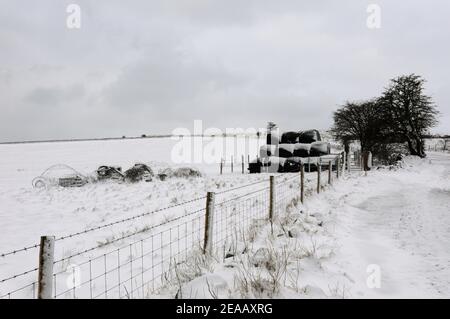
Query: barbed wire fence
<point x="137" y="262"/>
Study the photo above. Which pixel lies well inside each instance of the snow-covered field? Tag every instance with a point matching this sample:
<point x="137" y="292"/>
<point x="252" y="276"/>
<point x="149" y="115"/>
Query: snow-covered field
<point x="395" y="220"/>
<point x="27" y="213"/>
<point x="384" y="235"/>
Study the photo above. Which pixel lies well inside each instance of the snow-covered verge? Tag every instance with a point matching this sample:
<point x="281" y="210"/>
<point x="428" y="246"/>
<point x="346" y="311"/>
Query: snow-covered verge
<point x="384" y="235"/>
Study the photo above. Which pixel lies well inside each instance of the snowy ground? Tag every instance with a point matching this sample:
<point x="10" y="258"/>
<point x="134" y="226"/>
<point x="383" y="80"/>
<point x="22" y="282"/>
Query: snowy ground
<point x="27" y="213"/>
<point x="390" y="225"/>
<point x="395" y="220"/>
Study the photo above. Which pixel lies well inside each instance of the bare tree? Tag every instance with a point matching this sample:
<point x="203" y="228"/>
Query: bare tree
<point x="408" y="112"/>
<point x="358" y="121"/>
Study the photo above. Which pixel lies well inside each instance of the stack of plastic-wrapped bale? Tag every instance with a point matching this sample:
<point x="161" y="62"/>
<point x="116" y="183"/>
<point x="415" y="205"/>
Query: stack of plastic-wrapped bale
<point x="287" y="152"/>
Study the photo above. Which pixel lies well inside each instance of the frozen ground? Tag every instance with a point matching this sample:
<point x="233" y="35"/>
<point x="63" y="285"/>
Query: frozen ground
<point x="392" y="223"/>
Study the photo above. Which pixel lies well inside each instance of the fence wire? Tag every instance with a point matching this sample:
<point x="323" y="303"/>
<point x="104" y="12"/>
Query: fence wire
<point x="138" y="263"/>
<point x="135" y="269"/>
<point x="233" y="219"/>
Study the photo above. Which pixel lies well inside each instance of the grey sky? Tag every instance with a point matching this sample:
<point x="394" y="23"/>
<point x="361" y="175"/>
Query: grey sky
<point x="150" y="66"/>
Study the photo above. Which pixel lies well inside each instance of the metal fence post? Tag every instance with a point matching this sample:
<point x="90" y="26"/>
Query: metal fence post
<point x="231" y="164"/>
<point x="302" y="182"/>
<point x="242" y="157"/>
<point x="272" y="198"/>
<point x="45" y="274"/>
<point x="221" y="166"/>
<point x="319" y="171"/>
<point x="209" y="219"/>
<point x="330" y="168"/>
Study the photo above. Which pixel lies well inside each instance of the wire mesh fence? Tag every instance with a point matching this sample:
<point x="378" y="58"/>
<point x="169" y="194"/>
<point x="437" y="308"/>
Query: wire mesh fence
<point x="137" y="262"/>
<point x="234" y="217"/>
<point x="234" y="165"/>
<point x="134" y="269"/>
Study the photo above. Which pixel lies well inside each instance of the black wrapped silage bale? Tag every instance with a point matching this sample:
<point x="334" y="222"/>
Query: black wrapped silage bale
<point x="302" y="150"/>
<point x="254" y="166"/>
<point x="292" y="165"/>
<point x="319" y="149"/>
<point x="308" y="137"/>
<point x="289" y="138"/>
<point x="286" y="150"/>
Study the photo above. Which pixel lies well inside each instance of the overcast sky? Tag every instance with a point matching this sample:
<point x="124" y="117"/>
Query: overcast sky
<point x="139" y="67"/>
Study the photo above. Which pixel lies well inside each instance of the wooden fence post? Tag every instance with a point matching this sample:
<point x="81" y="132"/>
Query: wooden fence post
<point x="348" y="162"/>
<point x="344" y="159"/>
<point x="330" y="168"/>
<point x="231" y="164"/>
<point x="319" y="171"/>
<point x="338" y="165"/>
<point x="45" y="274"/>
<point x="272" y="198"/>
<point x="209" y="219"/>
<point x="302" y="182"/>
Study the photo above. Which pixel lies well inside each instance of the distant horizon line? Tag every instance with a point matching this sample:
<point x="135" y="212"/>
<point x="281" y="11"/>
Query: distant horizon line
<point x="143" y="136"/>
